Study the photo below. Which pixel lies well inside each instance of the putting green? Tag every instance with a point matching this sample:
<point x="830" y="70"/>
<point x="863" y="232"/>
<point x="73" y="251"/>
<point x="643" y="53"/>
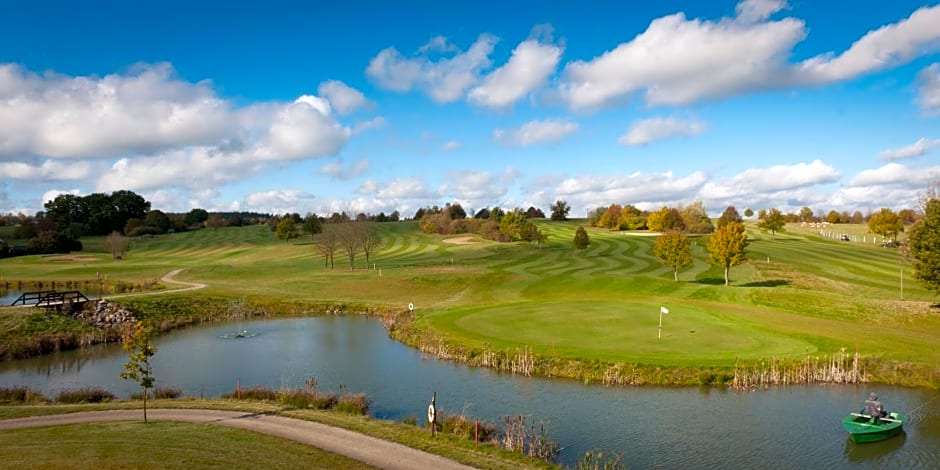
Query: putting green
<point x="620" y="331"/>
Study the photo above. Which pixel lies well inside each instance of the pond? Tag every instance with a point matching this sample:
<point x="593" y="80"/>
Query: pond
<point x="654" y="427"/>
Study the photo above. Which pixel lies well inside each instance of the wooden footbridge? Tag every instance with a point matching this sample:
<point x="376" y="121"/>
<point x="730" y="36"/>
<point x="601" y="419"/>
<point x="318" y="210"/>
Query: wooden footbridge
<point x="51" y="299"/>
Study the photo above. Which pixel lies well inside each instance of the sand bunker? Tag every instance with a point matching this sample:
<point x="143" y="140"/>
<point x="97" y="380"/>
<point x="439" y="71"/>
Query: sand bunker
<point x="71" y="258"/>
<point x="460" y="241"/>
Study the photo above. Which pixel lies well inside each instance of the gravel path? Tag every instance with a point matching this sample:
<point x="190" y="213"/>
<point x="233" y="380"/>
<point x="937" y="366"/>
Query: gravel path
<point x="367" y="449"/>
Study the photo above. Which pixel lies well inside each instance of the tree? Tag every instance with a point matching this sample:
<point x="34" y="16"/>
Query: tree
<point x="195" y="217"/>
<point x="886" y="223"/>
<point x="312" y="225"/>
<point x="581" y="238"/>
<point x="156" y="219"/>
<point x="327" y="243"/>
<point x="369" y="239"/>
<point x="560" y="210"/>
<point x="834" y="217"/>
<point x="726" y="247"/>
<point x="774" y="221"/>
<point x="674" y="250"/>
<point x="695" y="218"/>
<point x="924" y="243"/>
<point x="632" y="218"/>
<point x="806" y="215"/>
<point x="610" y="219"/>
<point x="531" y="233"/>
<point x="117" y="244"/>
<point x="215" y="221"/>
<point x="729" y="215"/>
<point x="511" y="225"/>
<point x="349" y="239"/>
<point x="286" y="229"/>
<point x="748" y="213"/>
<point x="665" y="219"/>
<point x="534" y="213"/>
<point x="455" y="211"/>
<point x="138" y="344"/>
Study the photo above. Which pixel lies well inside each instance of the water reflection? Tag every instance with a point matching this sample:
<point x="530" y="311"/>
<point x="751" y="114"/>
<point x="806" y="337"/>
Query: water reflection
<point x="873" y="452"/>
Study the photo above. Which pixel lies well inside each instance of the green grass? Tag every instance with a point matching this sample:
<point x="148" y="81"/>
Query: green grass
<point x="159" y="444"/>
<point x="450" y="446"/>
<point x="798" y="294"/>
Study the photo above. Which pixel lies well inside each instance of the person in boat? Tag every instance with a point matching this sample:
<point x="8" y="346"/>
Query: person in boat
<point x="874" y="408"/>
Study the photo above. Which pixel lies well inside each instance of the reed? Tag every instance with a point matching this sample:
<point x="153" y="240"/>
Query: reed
<point x="596" y="460"/>
<point x="20" y="395"/>
<point x="85" y="395"/>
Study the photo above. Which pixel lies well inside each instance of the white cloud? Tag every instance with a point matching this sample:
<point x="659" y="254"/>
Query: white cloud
<point x="885" y="47"/>
<point x="373" y="123"/>
<point x="646" y="131"/>
<point x="342" y="97"/>
<point x="303" y="129"/>
<point x="929" y="91"/>
<point x="895" y="174"/>
<point x="644" y="190"/>
<point x="48" y="170"/>
<point x="473" y="188"/>
<point x="281" y="201"/>
<point x="445" y="80"/>
<point x="678" y="60"/>
<point x="144" y="111"/>
<point x="338" y="171"/>
<point x="54" y="193"/>
<point x="918" y="148"/>
<point x="193" y="168"/>
<point x="450" y="146"/>
<point x="752" y="11"/>
<point x="772" y="179"/>
<point x="536" y="132"/>
<point x="528" y="69"/>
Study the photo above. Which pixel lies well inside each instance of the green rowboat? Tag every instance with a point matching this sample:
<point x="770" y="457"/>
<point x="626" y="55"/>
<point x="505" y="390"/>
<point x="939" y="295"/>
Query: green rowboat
<point x="862" y="428"/>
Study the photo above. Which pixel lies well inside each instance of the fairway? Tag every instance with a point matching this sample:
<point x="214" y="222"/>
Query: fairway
<point x="798" y="294"/>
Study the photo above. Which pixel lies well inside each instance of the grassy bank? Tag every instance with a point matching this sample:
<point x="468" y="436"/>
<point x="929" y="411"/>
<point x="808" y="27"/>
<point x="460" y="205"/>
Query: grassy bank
<point x="591" y="315"/>
<point x="140" y="437"/>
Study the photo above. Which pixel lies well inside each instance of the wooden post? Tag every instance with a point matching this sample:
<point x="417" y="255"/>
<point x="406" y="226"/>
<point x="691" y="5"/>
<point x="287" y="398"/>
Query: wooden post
<point x="476" y="432"/>
<point x="238" y="389"/>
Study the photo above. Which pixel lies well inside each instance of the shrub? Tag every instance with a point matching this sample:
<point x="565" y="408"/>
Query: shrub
<point x="85" y="395"/>
<point x="144" y="230"/>
<point x="18" y="394"/>
<point x="160" y="392"/>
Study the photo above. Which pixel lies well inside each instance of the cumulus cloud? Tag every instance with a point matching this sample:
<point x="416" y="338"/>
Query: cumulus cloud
<point x="343" y="98"/>
<point x="929" y="91"/>
<point x="280" y="201"/>
<point x="918" y="148"/>
<point x="54" y="193"/>
<point x="338" y="171"/>
<point x="644" y="190"/>
<point x="47" y="171"/>
<point x="146" y="110"/>
<point x="477" y="188"/>
<point x="772" y="179"/>
<point x="536" y="132"/>
<point x="155" y="129"/>
<point x="444" y="79"/>
<point x="679" y="60"/>
<point x="885" y="47"/>
<point x="891" y="173"/>
<point x="646" y="131"/>
<point x="528" y="69"/>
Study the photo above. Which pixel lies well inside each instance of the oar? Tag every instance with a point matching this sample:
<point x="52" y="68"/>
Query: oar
<point x="890" y="420"/>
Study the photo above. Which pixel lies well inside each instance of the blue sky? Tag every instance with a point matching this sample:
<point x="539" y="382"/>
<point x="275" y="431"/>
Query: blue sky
<point x="381" y="106"/>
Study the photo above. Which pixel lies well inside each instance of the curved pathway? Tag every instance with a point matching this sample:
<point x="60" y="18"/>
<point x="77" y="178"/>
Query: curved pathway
<point x="169" y="279"/>
<point x="367" y="449"/>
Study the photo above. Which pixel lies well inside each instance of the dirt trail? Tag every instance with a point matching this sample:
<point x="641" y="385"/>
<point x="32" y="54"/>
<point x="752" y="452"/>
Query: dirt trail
<point x="367" y="449"/>
<point x="169" y="279"/>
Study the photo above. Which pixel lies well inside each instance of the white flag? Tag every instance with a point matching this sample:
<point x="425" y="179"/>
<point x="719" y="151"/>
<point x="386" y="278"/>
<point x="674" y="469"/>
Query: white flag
<point x="663" y="310"/>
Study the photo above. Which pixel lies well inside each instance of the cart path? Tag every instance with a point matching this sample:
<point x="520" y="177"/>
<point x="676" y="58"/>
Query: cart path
<point x="367" y="449"/>
<point x="169" y="279"/>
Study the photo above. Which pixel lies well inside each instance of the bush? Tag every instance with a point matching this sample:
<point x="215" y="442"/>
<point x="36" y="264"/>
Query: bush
<point x="144" y="230"/>
<point x="85" y="395"/>
<point x="160" y="392"/>
<point x="20" y="395"/>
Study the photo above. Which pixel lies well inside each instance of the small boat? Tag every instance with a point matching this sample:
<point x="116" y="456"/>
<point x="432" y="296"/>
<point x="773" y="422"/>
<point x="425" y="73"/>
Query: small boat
<point x="863" y="428"/>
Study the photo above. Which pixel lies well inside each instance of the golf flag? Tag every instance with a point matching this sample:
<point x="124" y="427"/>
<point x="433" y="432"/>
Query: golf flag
<point x="663" y="310"/>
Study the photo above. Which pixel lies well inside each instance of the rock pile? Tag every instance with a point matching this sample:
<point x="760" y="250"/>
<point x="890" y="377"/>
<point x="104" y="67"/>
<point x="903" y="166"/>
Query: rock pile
<point x="104" y="314"/>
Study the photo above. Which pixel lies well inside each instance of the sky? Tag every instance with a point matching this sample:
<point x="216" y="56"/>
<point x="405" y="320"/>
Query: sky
<point x="376" y="106"/>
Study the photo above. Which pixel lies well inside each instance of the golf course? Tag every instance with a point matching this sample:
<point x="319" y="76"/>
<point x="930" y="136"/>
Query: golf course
<point x="575" y="313"/>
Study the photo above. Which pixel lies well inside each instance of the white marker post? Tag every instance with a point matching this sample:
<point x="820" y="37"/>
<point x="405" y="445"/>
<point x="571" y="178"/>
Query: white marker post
<point x="662" y="310"/>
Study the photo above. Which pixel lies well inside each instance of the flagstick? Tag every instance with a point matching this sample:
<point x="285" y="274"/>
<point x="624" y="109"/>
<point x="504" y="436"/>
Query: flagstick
<point x="660" y="336"/>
